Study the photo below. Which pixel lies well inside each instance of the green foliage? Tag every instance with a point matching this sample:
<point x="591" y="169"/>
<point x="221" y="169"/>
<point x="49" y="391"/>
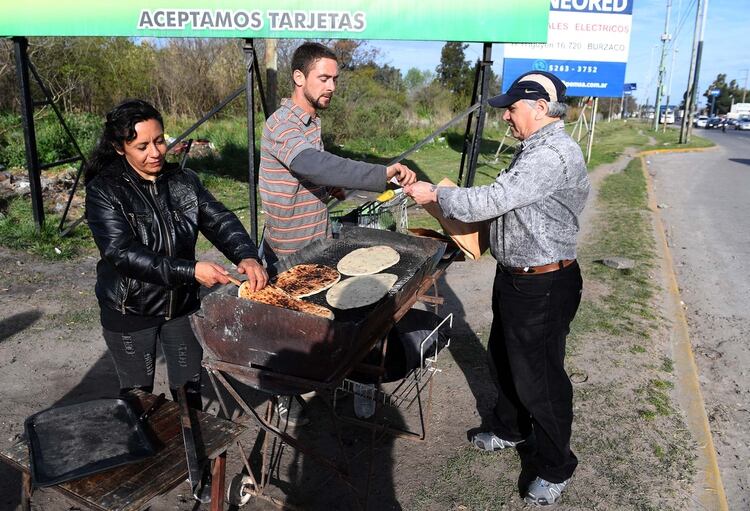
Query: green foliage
<point x="52" y="142"/>
<point x="17" y="230"/>
<point x="456" y="73"/>
<point x="729" y="93"/>
<point x="364" y="109"/>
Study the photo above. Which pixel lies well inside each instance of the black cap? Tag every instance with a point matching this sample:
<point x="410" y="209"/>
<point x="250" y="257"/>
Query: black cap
<point x="531" y="85"/>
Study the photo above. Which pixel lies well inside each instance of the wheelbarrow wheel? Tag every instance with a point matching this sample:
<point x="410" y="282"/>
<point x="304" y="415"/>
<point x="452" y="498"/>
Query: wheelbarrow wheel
<point x="239" y="490"/>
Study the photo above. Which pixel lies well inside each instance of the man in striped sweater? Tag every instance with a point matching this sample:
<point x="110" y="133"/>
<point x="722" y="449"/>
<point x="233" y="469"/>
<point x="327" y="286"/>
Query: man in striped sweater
<point x="297" y="176"/>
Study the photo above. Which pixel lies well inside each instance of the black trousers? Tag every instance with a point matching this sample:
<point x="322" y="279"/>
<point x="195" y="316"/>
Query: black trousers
<point x="531" y="320"/>
<point x="134" y="354"/>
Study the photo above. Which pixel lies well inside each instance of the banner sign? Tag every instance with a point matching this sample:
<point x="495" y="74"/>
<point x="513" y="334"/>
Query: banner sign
<point x="587" y="47"/>
<point x="417" y="20"/>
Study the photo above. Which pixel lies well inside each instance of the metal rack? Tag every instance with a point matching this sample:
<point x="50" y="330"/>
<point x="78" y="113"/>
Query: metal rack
<point x="405" y="393"/>
<point x="389" y="215"/>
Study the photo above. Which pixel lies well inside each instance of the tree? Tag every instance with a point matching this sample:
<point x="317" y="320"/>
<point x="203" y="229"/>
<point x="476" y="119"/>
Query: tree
<point x="729" y="93"/>
<point x="417" y="78"/>
<point x="454" y="71"/>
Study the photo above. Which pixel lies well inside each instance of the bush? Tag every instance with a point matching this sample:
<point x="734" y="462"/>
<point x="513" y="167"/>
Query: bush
<point x="364" y="109"/>
<point x="52" y="141"/>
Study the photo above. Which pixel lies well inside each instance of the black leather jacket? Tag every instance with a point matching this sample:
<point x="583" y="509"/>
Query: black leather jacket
<point x="146" y="233"/>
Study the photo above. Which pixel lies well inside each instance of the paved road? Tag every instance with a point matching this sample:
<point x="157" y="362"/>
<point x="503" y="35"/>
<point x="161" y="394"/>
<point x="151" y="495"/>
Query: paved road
<point x="705" y="206"/>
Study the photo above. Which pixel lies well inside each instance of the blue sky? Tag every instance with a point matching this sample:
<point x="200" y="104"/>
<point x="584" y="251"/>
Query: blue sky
<point x="726" y="46"/>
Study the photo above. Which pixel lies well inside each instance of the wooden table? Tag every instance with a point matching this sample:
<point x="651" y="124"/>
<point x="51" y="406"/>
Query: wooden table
<point x="131" y="487"/>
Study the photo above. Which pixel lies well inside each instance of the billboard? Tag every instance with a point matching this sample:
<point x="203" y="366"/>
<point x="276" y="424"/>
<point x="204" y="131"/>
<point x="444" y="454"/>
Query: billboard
<point x="417" y="20"/>
<point x="587" y="47"/>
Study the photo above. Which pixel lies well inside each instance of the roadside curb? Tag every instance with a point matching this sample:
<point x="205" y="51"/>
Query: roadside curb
<point x="713" y="495"/>
<point x="667" y="150"/>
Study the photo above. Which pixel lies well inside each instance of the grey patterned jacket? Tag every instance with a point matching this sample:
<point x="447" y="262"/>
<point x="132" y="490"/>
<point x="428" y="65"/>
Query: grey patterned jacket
<point x="534" y="205"/>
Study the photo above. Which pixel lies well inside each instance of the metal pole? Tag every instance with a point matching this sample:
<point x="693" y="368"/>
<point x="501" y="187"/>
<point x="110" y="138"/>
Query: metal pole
<point x="669" y="87"/>
<point x="21" y="45"/>
<point x="485" y="65"/>
<point x="249" y="50"/>
<point x="467" y="131"/>
<point x="593" y="126"/>
<point x="695" y="64"/>
<point x="744" y="91"/>
<point x="664" y="38"/>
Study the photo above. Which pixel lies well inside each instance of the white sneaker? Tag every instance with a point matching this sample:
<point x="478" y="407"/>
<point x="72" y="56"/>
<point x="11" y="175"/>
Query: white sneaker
<point x="544" y="493"/>
<point x="489" y="441"/>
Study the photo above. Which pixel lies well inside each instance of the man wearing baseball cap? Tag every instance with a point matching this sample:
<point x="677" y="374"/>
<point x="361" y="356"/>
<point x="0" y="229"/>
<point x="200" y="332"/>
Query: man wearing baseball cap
<point x="533" y="208"/>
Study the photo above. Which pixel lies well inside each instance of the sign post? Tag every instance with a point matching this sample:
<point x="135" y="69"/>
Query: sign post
<point x="627" y="90"/>
<point x="714" y="93"/>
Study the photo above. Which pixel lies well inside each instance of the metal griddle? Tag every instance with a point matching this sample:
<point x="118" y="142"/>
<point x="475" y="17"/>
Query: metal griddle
<point x="283" y="351"/>
<point x="72" y="441"/>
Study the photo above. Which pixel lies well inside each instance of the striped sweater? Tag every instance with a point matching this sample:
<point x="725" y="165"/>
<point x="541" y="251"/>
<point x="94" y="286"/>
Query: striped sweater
<point x="295" y="173"/>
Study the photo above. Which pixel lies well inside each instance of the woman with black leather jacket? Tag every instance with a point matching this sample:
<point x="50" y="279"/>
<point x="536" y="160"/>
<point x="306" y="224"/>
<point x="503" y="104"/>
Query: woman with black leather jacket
<point x="145" y="215"/>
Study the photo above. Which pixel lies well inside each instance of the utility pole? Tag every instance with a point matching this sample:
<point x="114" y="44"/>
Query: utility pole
<point x="272" y="67"/>
<point x="744" y="91"/>
<point x="665" y="37"/>
<point x="669" y="86"/>
<point x="695" y="66"/>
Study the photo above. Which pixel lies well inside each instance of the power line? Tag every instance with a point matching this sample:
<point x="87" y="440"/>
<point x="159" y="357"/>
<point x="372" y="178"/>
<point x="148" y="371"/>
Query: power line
<point x="685" y="16"/>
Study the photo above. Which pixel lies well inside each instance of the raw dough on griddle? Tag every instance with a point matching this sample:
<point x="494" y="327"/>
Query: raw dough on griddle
<point x="368" y="260"/>
<point x="360" y="291"/>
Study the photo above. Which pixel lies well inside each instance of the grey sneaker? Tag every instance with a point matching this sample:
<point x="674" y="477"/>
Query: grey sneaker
<point x="291" y="411"/>
<point x="544" y="493"/>
<point x="489" y="441"/>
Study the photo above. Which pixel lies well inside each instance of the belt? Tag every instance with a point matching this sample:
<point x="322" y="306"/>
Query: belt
<point x="545" y="268"/>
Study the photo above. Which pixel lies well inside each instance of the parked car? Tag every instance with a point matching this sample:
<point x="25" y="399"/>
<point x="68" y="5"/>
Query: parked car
<point x="742" y="124"/>
<point x="667" y="117"/>
<point x="700" y="121"/>
<point x="732" y="123"/>
<point x="714" y="123"/>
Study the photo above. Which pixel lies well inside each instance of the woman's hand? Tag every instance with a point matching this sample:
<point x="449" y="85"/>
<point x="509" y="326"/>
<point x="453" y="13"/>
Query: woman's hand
<point x="209" y="274"/>
<point x="257" y="278"/>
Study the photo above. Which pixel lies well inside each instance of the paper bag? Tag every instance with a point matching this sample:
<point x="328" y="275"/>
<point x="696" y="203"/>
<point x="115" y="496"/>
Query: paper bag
<point x="472" y="238"/>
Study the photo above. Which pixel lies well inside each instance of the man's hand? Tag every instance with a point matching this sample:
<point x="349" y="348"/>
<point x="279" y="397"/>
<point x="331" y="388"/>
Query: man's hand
<point x="337" y="193"/>
<point x="402" y="173"/>
<point x="209" y="274"/>
<point x="257" y="278"/>
<point x="422" y="193"/>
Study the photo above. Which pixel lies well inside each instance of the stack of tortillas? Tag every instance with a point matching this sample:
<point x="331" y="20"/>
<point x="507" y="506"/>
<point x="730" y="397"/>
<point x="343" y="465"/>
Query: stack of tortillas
<point x="365" y="285"/>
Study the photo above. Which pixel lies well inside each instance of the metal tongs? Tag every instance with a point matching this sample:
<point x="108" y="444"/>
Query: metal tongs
<point x="198" y="477"/>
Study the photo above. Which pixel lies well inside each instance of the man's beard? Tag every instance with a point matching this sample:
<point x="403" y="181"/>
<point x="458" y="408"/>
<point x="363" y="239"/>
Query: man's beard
<point x="315" y="102"/>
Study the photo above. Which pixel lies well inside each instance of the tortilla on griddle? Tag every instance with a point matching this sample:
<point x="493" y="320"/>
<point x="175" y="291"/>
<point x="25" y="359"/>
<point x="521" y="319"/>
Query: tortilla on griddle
<point x="271" y="295"/>
<point x="368" y="260"/>
<point x="307" y="279"/>
<point x="360" y="291"/>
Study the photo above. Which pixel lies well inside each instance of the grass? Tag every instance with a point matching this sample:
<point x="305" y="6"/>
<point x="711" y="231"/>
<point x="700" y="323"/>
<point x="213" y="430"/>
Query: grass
<point x="18" y="231"/>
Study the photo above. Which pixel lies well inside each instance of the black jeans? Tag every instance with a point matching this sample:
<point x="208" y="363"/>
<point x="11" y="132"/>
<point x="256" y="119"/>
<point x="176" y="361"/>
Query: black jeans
<point x="134" y="354"/>
<point x="531" y="319"/>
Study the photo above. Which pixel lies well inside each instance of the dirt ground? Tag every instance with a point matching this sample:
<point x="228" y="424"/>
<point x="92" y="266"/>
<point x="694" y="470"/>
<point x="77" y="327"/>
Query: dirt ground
<point x="52" y="352"/>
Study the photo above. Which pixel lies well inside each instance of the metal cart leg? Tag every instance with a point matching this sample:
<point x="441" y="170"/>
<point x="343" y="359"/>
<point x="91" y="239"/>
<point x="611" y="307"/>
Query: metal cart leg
<point x="26" y="491"/>
<point x="341" y="469"/>
<point x="218" y="472"/>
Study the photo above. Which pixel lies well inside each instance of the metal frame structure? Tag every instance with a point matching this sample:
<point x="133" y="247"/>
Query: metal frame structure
<point x="469" y="154"/>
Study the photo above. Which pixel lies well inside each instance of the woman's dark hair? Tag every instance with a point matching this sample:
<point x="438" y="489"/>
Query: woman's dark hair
<point x="118" y="129"/>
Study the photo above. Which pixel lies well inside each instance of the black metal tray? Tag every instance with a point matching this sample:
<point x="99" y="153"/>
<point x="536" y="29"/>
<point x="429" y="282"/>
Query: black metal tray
<point x="73" y="441"/>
